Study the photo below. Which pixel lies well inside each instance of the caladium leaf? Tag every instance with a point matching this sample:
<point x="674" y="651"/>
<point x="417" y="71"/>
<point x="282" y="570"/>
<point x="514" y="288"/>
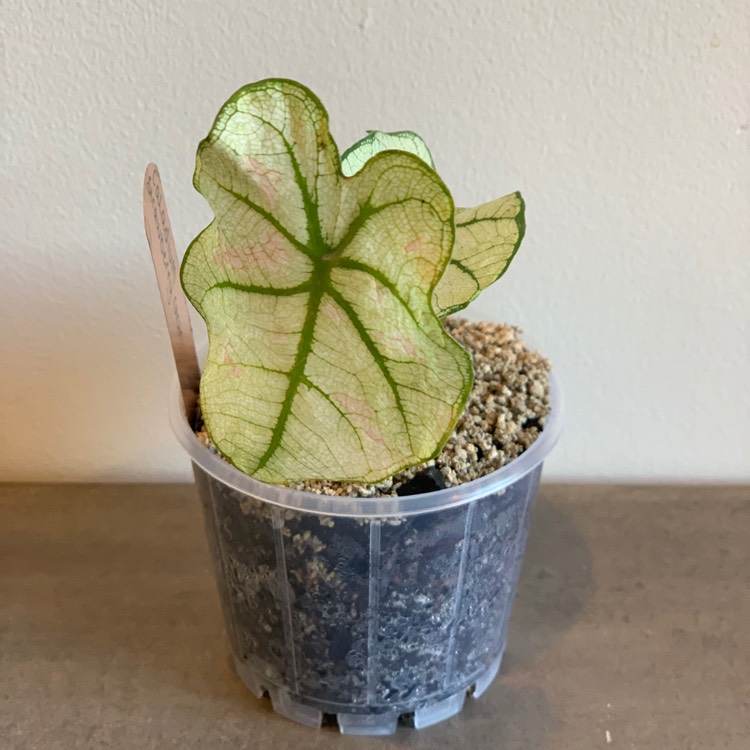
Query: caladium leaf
<point x="325" y="357"/>
<point x="376" y="141"/>
<point x="487" y="239"/>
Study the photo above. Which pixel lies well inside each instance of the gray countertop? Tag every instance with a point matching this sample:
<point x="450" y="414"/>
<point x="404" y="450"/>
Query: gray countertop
<point x="631" y="628"/>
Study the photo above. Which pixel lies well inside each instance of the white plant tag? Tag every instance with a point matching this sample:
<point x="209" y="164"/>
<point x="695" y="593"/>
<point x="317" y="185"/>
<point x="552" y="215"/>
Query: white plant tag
<point x="164" y="256"/>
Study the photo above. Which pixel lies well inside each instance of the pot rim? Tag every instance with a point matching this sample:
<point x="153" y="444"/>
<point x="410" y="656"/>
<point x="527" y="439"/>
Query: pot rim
<point x="368" y="507"/>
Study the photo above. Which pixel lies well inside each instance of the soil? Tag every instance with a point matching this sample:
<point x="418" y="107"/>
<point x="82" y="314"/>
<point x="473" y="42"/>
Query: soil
<point x="392" y="615"/>
<point x="505" y="413"/>
<point x="351" y="615"/>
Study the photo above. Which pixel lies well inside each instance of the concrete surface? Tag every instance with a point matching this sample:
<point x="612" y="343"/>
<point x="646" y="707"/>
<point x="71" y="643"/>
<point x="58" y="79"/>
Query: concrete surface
<point x="630" y="628"/>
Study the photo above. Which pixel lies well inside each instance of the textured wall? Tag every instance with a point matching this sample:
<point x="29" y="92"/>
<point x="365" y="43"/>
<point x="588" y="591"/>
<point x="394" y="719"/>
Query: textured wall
<point x="624" y="124"/>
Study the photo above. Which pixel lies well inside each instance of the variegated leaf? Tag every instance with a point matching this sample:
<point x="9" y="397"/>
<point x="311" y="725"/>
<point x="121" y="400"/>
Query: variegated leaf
<point x="487" y="239"/>
<point x="355" y="157"/>
<point x="325" y="357"/>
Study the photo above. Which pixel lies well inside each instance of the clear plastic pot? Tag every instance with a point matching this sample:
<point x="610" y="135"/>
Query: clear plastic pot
<point x="367" y="609"/>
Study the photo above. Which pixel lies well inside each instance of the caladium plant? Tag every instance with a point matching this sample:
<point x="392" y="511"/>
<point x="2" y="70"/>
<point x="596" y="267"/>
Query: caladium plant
<point x="323" y="280"/>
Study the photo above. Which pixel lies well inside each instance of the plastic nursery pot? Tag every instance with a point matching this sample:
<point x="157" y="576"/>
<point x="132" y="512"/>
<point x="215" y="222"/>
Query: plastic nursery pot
<point x="369" y="609"/>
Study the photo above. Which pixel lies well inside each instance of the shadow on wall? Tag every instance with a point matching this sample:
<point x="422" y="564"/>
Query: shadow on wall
<point x="556" y="583"/>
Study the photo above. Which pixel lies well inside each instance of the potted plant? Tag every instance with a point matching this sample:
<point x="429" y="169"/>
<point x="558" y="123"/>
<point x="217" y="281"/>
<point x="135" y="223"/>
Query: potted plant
<point x="354" y="582"/>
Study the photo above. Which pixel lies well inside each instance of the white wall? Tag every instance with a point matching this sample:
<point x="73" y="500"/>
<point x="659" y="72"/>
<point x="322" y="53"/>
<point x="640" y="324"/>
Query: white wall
<point x="624" y="124"/>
